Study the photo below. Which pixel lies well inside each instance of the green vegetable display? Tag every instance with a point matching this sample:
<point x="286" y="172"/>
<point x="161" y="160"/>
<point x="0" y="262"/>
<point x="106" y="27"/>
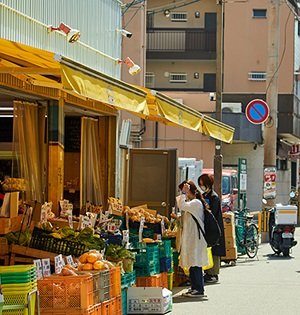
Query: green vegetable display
<point x="20" y="238"/>
<point x="117" y="252"/>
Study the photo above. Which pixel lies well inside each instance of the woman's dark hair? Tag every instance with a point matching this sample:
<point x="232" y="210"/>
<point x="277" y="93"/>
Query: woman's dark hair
<point x="207" y="180"/>
<point x="194" y="190"/>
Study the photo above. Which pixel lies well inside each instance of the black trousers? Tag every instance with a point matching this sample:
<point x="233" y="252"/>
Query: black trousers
<point x="196" y="276"/>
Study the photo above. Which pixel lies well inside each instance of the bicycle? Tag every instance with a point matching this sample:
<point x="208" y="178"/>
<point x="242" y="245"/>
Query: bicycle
<point x="246" y="233"/>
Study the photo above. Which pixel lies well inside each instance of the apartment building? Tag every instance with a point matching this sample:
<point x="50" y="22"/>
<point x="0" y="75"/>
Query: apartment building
<point x="180" y="39"/>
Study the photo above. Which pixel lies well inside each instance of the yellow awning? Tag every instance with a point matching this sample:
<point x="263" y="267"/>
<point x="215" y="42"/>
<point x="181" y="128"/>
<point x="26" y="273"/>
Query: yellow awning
<point x="43" y="68"/>
<point x="105" y="89"/>
<point x="165" y="109"/>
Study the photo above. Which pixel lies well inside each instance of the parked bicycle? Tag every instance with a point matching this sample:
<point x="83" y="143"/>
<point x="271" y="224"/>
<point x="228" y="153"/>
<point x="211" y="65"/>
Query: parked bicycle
<point x="246" y="233"/>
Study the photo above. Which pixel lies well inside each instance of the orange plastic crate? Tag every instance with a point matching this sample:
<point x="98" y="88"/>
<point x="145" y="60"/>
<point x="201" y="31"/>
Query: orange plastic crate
<point x="118" y="305"/>
<point x="108" y="307"/>
<point x="61" y="293"/>
<point x="151" y="281"/>
<point x="94" y="310"/>
<point x="164" y="280"/>
<point x="115" y="282"/>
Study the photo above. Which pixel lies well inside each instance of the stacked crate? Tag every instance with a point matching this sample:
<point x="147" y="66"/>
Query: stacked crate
<point x="230" y="240"/>
<point x="147" y="261"/>
<point x="127" y="280"/>
<point x="19" y="287"/>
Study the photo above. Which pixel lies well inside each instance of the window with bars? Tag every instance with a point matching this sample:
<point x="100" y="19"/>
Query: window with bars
<point x="179" y="17"/>
<point x="257" y="76"/>
<point x="178" y="78"/>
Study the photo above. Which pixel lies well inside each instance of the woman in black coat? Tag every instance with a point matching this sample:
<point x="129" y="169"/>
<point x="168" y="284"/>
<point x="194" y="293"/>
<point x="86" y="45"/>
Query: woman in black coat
<point x="206" y="182"/>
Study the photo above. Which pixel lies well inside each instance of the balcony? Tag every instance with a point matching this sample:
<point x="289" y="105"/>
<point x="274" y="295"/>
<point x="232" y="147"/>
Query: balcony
<point x="170" y="43"/>
<point x="245" y="131"/>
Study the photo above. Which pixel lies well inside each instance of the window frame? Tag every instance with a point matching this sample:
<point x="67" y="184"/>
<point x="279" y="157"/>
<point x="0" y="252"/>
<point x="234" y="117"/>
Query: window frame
<point x="259" y="16"/>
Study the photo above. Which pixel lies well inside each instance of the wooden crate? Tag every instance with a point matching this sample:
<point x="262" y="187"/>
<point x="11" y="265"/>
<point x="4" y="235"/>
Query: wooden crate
<point x="8" y="225"/>
<point x="26" y="254"/>
<point x="4" y="251"/>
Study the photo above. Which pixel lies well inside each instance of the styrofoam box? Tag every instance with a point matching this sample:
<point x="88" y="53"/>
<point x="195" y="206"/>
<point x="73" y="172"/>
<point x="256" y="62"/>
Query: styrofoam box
<point x="148" y="300"/>
<point x="286" y="214"/>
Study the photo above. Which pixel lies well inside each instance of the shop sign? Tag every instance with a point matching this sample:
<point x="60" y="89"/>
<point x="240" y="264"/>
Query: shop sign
<point x="270" y="183"/>
<point x="294" y="153"/>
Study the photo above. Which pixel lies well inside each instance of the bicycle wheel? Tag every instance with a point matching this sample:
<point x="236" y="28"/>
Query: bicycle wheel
<point x="251" y="240"/>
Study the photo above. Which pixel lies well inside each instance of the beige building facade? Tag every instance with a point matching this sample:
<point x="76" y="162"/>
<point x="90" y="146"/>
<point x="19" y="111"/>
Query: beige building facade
<point x="174" y="43"/>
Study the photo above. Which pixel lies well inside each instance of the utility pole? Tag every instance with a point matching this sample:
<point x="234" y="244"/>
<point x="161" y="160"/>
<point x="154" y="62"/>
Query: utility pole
<point x="270" y="131"/>
<point x="218" y="158"/>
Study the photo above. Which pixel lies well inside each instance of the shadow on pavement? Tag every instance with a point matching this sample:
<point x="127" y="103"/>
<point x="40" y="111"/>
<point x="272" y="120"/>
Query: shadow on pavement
<point x="276" y="257"/>
<point x="178" y="298"/>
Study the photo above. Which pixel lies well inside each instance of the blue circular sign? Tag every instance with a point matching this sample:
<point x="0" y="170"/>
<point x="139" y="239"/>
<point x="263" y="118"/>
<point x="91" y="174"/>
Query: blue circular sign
<point x="257" y="111"/>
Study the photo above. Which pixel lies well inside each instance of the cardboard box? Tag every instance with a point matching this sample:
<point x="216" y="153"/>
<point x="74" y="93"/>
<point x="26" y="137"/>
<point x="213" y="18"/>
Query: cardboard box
<point x="286" y="214"/>
<point x="10" y="206"/>
<point x="148" y="300"/>
<point x="230" y="242"/>
<point x="228" y="218"/>
<point x="231" y="254"/>
<point x="229" y="231"/>
<point x="8" y="225"/>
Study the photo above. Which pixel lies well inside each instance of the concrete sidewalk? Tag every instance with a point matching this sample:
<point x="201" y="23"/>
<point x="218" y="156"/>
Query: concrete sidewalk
<point x="263" y="286"/>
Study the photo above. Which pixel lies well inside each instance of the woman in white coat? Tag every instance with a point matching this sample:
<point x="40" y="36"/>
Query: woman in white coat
<point x="193" y="250"/>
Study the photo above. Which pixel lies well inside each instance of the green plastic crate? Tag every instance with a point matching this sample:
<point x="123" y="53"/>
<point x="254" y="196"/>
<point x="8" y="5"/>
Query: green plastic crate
<point x="128" y="280"/>
<point x="124" y="301"/>
<point x="165" y="249"/>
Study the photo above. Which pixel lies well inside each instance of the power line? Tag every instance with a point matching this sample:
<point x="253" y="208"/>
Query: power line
<point x="283" y="52"/>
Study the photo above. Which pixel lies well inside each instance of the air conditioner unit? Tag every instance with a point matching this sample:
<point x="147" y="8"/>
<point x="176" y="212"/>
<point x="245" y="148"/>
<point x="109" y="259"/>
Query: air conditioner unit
<point x="232" y="107"/>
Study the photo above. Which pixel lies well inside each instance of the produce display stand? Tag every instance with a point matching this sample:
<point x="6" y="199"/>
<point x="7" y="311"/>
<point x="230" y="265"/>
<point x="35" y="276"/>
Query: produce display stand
<point x="4" y="251"/>
<point x="24" y="254"/>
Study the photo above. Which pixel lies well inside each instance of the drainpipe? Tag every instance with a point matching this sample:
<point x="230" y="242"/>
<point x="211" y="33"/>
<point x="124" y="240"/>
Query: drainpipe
<point x="156" y="135"/>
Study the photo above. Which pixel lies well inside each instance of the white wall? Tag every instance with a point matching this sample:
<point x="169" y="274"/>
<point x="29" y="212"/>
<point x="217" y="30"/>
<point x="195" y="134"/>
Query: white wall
<point x="26" y="22"/>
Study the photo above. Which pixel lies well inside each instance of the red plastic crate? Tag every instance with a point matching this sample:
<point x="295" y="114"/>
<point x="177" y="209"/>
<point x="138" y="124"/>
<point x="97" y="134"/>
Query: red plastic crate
<point x="115" y="282"/>
<point x="72" y="292"/>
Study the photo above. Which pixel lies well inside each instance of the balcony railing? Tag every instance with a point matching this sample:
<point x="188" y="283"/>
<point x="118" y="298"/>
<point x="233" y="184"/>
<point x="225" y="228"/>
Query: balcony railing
<point x="181" y="40"/>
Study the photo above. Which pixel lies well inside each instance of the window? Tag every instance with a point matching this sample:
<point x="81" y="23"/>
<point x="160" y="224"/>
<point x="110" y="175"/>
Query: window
<point x="259" y="13"/>
<point x="257" y="76"/>
<point x="179" y="17"/>
<point x="178" y="78"/>
<point x="150" y="79"/>
<point x="150" y="20"/>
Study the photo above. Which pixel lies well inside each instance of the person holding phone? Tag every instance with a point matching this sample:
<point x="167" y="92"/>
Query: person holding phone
<point x="193" y="248"/>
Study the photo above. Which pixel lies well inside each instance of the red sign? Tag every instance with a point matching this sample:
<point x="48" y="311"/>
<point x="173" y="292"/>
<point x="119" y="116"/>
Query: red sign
<point x="257" y="111"/>
<point x="294" y="153"/>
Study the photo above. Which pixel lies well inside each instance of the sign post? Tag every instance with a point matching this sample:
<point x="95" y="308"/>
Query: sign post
<point x="242" y="182"/>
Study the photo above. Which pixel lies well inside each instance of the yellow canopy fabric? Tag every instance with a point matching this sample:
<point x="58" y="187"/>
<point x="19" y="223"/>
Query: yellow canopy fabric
<point x="106" y="90"/>
<point x="167" y="110"/>
<point x="26" y="62"/>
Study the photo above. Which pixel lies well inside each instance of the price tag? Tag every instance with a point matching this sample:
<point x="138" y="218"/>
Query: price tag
<point x="125" y="236"/>
<point x="46" y="267"/>
<point x="70" y="220"/>
<point x="39" y="268"/>
<point x="163" y="228"/>
<point x="127" y="221"/>
<point x="70" y="260"/>
<point x="142" y="223"/>
<point x="59" y="263"/>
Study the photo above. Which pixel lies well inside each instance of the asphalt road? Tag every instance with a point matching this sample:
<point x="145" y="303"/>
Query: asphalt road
<point x="263" y="286"/>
